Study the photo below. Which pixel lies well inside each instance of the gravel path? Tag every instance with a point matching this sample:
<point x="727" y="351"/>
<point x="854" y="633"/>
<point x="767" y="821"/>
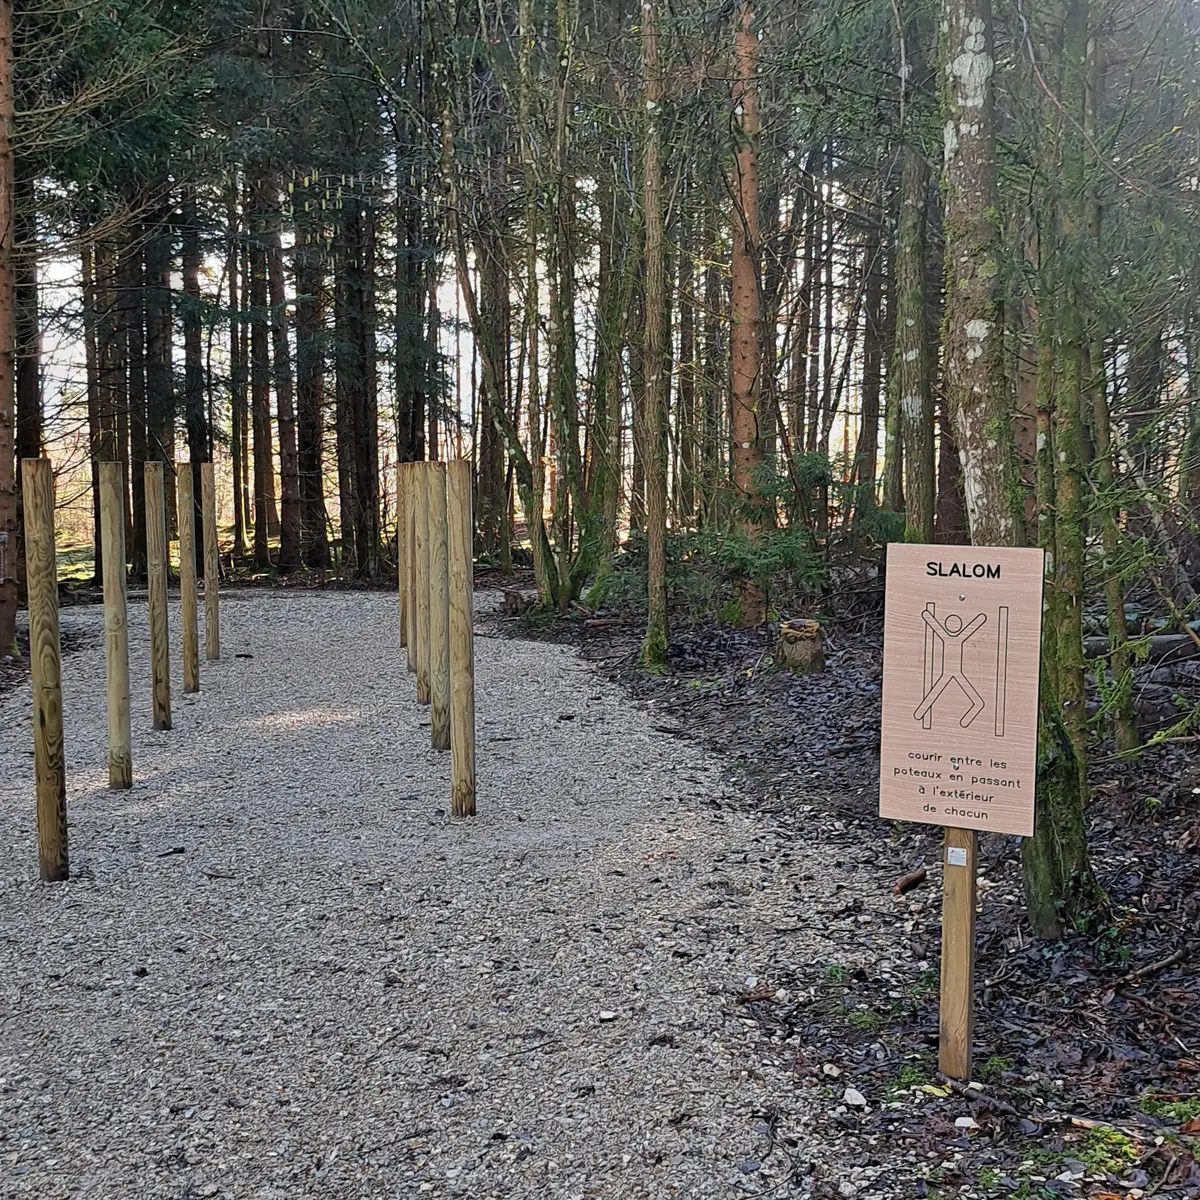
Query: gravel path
<point x="281" y="970"/>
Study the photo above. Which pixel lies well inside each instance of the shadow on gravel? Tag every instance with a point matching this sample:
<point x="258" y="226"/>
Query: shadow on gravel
<point x="1087" y="1050"/>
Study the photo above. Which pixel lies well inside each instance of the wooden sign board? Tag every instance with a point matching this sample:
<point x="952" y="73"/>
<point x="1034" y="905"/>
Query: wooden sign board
<point x="962" y="635"/>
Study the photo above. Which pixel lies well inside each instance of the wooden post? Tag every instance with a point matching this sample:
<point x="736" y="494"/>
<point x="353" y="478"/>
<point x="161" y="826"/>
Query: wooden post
<point x="401" y="554"/>
<point x="186" y="490"/>
<point x="439" y="612"/>
<point x="460" y="537"/>
<point x="41" y="574"/>
<point x="410" y="599"/>
<point x="156" y="587"/>
<point x="422" y="583"/>
<point x="212" y="564"/>
<point x="116" y="626"/>
<point x="957" y="1015"/>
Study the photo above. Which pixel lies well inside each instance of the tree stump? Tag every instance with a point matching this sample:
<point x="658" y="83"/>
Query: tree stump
<point x="800" y="647"/>
<point x="514" y="603"/>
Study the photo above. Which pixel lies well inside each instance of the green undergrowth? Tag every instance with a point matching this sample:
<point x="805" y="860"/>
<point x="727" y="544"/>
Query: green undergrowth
<point x="1180" y="1111"/>
<point x="1109" y="1150"/>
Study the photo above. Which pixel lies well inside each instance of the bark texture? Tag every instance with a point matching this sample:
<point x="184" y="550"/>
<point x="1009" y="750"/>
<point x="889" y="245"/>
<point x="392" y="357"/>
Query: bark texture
<point x="654" y="649"/>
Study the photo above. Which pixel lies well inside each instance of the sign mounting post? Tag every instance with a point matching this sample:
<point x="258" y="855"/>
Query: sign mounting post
<point x="961" y="658"/>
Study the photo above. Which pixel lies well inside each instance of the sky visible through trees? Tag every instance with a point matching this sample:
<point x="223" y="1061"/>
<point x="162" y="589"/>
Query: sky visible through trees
<point x="739" y="292"/>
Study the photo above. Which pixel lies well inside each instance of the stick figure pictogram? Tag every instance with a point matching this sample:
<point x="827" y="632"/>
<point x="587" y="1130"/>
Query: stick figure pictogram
<point x="949" y="637"/>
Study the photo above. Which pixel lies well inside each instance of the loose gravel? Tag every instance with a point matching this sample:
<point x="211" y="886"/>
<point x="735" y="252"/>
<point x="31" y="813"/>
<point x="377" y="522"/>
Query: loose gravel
<point x="280" y="969"/>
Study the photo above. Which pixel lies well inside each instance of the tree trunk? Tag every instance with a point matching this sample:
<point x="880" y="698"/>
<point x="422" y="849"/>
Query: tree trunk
<point x="348" y="372"/>
<point x="974" y="377"/>
<point x="110" y="351"/>
<point x="713" y="378"/>
<point x="366" y="412"/>
<point x="827" y="297"/>
<point x="560" y="326"/>
<point x="1144" y="383"/>
<point x="138" y="415"/>
<point x="289" y="471"/>
<point x="747" y="307"/>
<point x="246" y="483"/>
<point x="950" y="518"/>
<point x="911" y="360"/>
<point x="194" y="414"/>
<point x="523" y="467"/>
<point x="654" y="648"/>
<point x="490" y="503"/>
<point x="1189" y="483"/>
<point x="770" y="237"/>
<point x="260" y="382"/>
<point x="122" y="310"/>
<point x="412" y="366"/>
<point x="637" y="402"/>
<point x="160" y="390"/>
<point x="434" y="400"/>
<point x="816" y="292"/>
<point x="1060" y="889"/>
<point x="866" y="454"/>
<point x="1107" y="503"/>
<point x="892" y="498"/>
<point x="1070" y="298"/>
<point x="1058" y="881"/>
<point x="686" y="419"/>
<point x="8" y="482"/>
<point x="28" y="342"/>
<point x="237" y="368"/>
<point x="802" y="319"/>
<point x="534" y="488"/>
<point x="1125" y="729"/>
<point x="160" y="367"/>
<point x="910" y="364"/>
<point x="613" y="292"/>
<point x="310" y="388"/>
<point x="91" y="370"/>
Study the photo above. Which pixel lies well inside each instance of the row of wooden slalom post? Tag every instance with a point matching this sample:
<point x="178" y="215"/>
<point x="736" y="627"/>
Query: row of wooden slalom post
<point x="435" y="553"/>
<point x="44" y="644"/>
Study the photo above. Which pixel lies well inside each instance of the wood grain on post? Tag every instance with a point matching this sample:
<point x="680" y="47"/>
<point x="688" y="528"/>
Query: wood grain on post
<point x="460" y="531"/>
<point x="188" y="593"/>
<point x="41" y="573"/>
<point x="212" y="564"/>
<point x="410" y="519"/>
<point x="401" y="555"/>
<point x="439" y="612"/>
<point x="116" y="625"/>
<point x="422" y="584"/>
<point x="957" y="1008"/>
<point x="156" y="588"/>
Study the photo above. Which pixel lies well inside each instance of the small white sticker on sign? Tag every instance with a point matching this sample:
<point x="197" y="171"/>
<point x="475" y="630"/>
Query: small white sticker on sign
<point x="956" y="856"/>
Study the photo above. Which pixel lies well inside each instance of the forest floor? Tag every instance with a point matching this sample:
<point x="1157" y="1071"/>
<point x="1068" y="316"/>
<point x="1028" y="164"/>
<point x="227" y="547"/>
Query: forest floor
<point x="1087" y="1050"/>
<point x="665" y="959"/>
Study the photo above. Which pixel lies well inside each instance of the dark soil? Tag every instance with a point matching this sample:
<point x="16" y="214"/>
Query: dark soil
<point x="1088" y="1048"/>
